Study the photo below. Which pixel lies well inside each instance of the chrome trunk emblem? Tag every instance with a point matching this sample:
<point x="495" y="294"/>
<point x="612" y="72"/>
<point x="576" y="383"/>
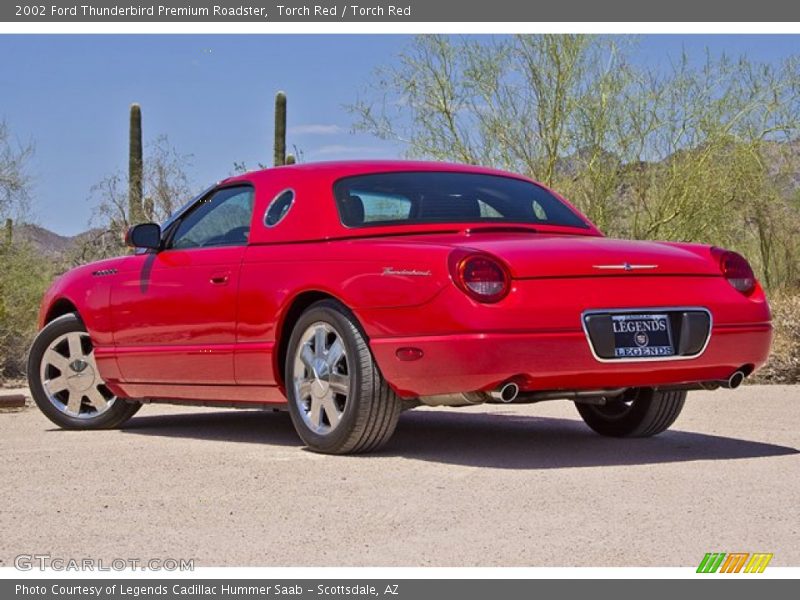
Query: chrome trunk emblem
<point x="626" y="266"/>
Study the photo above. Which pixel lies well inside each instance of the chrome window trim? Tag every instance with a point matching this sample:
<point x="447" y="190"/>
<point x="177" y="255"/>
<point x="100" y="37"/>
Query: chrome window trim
<point x="275" y="199"/>
<point x="646" y="309"/>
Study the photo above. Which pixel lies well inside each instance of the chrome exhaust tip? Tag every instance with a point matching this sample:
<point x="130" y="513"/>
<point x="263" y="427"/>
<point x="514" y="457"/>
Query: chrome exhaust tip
<point x="507" y="392"/>
<point x="735" y="380"/>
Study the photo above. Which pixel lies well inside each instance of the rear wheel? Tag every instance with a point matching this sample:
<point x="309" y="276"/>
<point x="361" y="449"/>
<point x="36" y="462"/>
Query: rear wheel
<point x="338" y="399"/>
<point x="637" y="413"/>
<point x="65" y="383"/>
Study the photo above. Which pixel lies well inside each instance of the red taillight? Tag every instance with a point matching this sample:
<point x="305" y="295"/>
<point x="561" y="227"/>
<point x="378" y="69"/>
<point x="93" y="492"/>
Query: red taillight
<point x="482" y="277"/>
<point x="735" y="269"/>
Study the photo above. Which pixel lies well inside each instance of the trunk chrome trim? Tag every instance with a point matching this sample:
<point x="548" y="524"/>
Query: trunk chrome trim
<point x="625" y="267"/>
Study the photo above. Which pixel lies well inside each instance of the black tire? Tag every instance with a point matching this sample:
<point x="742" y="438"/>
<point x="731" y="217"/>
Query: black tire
<point x="119" y="411"/>
<point x="371" y="409"/>
<point x="639" y="413"/>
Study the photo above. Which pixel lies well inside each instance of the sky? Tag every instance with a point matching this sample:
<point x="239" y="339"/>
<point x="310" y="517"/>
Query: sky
<point x="213" y="97"/>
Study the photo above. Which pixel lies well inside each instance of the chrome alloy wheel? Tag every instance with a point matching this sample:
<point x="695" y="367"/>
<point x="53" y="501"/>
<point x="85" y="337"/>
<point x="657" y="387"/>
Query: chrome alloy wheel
<point x="70" y="377"/>
<point x="321" y="377"/>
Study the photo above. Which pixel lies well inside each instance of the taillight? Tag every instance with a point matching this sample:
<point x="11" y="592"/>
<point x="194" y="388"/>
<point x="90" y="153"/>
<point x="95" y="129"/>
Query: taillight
<point x="735" y="269"/>
<point x="481" y="276"/>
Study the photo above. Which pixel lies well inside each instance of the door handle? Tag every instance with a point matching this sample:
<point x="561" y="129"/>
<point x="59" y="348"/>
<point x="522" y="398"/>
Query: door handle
<point x="220" y="278"/>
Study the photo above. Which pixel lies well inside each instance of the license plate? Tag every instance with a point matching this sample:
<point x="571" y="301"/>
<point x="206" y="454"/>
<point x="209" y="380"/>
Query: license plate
<point x="639" y="336"/>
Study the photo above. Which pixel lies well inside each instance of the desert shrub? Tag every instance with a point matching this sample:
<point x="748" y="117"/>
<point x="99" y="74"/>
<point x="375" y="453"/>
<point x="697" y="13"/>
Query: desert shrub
<point x="783" y="365"/>
<point x="24" y="276"/>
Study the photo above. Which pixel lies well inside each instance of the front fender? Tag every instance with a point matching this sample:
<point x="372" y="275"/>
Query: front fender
<point x="88" y="290"/>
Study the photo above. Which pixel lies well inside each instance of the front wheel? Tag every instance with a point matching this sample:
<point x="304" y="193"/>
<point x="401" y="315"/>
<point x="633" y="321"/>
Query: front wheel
<point x="65" y="383"/>
<point x="637" y="413"/>
<point x="338" y="399"/>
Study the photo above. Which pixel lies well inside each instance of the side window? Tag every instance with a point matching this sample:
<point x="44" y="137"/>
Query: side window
<point x="221" y="219"/>
<point x="383" y="207"/>
<point x="278" y="208"/>
<point x="538" y="211"/>
<point x="488" y="211"/>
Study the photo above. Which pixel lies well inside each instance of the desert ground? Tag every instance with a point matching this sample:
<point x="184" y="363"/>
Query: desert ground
<point x="526" y="485"/>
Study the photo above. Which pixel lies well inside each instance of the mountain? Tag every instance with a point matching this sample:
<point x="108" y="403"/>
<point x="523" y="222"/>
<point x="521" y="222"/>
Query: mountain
<point x="49" y="243"/>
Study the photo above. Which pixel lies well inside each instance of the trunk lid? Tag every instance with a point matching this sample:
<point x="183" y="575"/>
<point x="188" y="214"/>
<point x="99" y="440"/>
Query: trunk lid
<point x="535" y="255"/>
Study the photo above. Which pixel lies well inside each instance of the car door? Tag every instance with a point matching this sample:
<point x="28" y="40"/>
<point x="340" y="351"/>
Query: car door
<point x="174" y="311"/>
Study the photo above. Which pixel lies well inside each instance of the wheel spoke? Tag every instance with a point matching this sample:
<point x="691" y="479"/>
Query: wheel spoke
<point x="92" y="361"/>
<point x="304" y="389"/>
<point x="315" y="412"/>
<point x="75" y="349"/>
<point x="307" y="356"/>
<point x="97" y="399"/>
<point x="51" y="357"/>
<point x="319" y="342"/>
<point x="335" y="353"/>
<point x="74" y="404"/>
<point x="340" y="384"/>
<point x="334" y="415"/>
<point x="55" y="385"/>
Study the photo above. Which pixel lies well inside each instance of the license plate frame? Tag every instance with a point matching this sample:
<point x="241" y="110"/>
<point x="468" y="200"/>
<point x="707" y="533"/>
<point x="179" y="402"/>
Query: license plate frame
<point x="642" y="335"/>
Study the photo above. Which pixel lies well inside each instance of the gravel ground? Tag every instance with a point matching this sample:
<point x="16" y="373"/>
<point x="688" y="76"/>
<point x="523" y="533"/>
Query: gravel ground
<point x="490" y="486"/>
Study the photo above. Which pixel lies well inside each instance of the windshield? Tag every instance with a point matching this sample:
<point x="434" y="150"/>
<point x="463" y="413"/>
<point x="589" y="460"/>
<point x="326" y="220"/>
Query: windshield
<point x="447" y="197"/>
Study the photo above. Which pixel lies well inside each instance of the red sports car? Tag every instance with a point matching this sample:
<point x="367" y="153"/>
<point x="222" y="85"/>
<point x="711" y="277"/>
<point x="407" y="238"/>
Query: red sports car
<point x="354" y="290"/>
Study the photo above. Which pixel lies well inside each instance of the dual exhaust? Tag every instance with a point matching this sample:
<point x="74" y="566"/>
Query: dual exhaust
<point x="509" y="392"/>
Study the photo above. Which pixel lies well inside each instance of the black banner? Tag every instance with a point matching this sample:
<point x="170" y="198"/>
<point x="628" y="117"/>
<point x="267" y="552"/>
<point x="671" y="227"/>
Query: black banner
<point x="401" y="11"/>
<point x="386" y="589"/>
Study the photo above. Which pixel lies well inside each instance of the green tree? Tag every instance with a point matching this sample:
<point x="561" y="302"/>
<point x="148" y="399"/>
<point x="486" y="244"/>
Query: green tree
<point x="14" y="177"/>
<point x="165" y="187"/>
<point x="705" y="150"/>
<point x="23" y="275"/>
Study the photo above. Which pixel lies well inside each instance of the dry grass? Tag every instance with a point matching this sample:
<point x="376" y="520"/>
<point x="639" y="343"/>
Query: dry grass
<point x="783" y="365"/>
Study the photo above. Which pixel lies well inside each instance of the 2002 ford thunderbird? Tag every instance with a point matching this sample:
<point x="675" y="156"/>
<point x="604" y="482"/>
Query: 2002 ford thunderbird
<point x="355" y="290"/>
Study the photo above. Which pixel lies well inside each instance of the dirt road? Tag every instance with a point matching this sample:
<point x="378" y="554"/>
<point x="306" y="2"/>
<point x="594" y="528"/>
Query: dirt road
<point x="527" y="485"/>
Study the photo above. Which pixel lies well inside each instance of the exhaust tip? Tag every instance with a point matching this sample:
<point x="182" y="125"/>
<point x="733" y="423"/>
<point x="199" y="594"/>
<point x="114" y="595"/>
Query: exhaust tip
<point x="505" y="393"/>
<point x="735" y="380"/>
<point x="508" y="392"/>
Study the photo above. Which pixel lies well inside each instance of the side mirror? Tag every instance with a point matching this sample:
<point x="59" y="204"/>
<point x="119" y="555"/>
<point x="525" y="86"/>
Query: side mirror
<point x="144" y="235"/>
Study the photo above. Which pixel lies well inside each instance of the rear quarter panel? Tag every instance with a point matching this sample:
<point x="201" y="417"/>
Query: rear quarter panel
<point x="273" y="276"/>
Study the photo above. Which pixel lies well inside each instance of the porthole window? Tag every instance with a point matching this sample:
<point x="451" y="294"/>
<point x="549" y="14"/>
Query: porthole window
<point x="278" y="208"/>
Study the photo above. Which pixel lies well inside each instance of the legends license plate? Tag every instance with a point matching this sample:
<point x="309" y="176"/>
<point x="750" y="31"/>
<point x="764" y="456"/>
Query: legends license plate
<point x="642" y="336"/>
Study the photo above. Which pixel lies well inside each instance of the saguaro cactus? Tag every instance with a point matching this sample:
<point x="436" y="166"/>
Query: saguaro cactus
<point x="135" y="168"/>
<point x="9" y="233"/>
<point x="280" y="129"/>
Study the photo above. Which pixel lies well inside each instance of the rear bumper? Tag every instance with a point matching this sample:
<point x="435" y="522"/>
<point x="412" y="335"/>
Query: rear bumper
<point x="555" y="360"/>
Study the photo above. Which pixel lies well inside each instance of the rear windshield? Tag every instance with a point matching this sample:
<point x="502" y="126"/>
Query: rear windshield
<point x="446" y="197"/>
